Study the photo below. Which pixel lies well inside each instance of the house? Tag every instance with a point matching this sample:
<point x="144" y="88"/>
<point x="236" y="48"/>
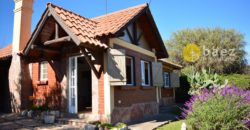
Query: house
<point x="106" y="68"/>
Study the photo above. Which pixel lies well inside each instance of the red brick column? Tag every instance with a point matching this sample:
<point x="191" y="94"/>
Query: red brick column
<point x="101" y="94"/>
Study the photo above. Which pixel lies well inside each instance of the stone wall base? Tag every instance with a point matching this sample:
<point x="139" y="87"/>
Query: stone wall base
<point x="134" y="112"/>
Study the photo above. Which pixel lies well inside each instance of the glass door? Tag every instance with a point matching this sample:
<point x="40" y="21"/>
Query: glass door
<point x="73" y="85"/>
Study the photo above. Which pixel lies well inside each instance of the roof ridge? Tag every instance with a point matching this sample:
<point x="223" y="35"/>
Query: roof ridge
<point x="53" y="5"/>
<point x="118" y="11"/>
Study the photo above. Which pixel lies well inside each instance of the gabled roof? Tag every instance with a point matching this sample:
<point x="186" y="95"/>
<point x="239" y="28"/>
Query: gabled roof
<point x="91" y="32"/>
<point x="88" y="29"/>
<point x="83" y="28"/>
<point x="6" y="52"/>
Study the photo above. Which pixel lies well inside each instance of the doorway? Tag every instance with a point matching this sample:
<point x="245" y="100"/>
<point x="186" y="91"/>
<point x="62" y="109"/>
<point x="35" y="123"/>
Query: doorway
<point x="80" y="85"/>
<point x="4" y="87"/>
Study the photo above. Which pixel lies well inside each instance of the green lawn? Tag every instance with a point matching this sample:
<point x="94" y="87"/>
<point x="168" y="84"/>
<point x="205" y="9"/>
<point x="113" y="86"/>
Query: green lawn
<point x="172" y="126"/>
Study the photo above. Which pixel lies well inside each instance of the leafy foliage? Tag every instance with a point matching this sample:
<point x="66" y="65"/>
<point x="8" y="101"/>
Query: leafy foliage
<point x="219" y="108"/>
<point x="203" y="79"/>
<point x="240" y="80"/>
<point x="215" y="38"/>
<point x="108" y="126"/>
<point x="39" y="108"/>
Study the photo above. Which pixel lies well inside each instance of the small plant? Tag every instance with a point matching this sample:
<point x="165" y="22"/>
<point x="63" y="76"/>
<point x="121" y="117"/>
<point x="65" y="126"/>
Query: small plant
<point x="121" y="125"/>
<point x="203" y="79"/>
<point x="108" y="126"/>
<point x="218" y="108"/>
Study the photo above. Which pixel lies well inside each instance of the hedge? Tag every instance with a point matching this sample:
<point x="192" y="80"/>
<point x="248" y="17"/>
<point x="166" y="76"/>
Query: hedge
<point x="240" y="80"/>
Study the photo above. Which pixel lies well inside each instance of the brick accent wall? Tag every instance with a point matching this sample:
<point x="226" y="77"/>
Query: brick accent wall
<point x="128" y="95"/>
<point x="45" y="91"/>
<point x="101" y="94"/>
<point x="134" y="102"/>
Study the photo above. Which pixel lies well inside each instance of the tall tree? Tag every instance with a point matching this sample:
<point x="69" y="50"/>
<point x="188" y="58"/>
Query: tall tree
<point x="222" y="50"/>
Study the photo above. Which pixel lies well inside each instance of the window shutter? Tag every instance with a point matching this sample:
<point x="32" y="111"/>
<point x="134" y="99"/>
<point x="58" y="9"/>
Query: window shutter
<point x="174" y="79"/>
<point x="117" y="67"/>
<point x="157" y="74"/>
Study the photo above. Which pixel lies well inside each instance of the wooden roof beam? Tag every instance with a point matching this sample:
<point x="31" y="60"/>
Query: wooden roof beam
<point x="58" y="40"/>
<point x="90" y="62"/>
<point x="44" y="49"/>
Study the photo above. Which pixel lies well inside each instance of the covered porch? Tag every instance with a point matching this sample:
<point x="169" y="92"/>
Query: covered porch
<point x="74" y="82"/>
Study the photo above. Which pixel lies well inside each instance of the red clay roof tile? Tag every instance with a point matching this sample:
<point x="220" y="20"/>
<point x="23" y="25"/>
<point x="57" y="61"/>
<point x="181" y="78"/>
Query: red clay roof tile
<point x="113" y="22"/>
<point x="88" y="29"/>
<point x="6" y="52"/>
<point x="82" y="27"/>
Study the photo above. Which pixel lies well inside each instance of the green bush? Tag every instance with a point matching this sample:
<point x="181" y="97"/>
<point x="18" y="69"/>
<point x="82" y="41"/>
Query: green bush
<point x="240" y="80"/>
<point x="219" y="109"/>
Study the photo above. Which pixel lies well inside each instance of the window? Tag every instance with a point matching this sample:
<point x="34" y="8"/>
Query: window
<point x="130" y="70"/>
<point x="166" y="77"/>
<point x="43" y="71"/>
<point x="145" y="73"/>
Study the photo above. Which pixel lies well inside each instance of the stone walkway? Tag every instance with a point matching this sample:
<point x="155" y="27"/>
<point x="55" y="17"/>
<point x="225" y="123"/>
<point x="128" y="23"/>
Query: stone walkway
<point x="15" y="122"/>
<point x="154" y="122"/>
<point x="166" y="115"/>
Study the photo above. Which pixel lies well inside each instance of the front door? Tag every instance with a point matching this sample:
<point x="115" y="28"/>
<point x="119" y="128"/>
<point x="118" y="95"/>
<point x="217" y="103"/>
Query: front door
<point x="73" y="85"/>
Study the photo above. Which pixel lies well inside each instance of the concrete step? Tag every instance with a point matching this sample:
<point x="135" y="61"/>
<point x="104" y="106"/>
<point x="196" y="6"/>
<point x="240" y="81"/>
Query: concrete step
<point x="78" y="120"/>
<point x="72" y="122"/>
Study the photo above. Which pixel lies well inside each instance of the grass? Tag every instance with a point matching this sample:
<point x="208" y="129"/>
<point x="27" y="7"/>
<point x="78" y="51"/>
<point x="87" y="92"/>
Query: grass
<point x="172" y="125"/>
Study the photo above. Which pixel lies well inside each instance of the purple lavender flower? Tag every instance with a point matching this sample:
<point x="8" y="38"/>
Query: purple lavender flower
<point x="247" y="123"/>
<point x="227" y="92"/>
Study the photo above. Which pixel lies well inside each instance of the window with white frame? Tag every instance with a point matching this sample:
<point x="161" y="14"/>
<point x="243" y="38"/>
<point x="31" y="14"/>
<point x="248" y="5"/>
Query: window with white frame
<point x="145" y="73"/>
<point x="130" y="70"/>
<point x="43" y="70"/>
<point x="166" y="77"/>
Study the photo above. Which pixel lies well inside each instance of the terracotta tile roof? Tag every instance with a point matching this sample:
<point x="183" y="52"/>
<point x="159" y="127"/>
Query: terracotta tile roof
<point x="87" y="30"/>
<point x="113" y="22"/>
<point x="82" y="27"/>
<point x="6" y="52"/>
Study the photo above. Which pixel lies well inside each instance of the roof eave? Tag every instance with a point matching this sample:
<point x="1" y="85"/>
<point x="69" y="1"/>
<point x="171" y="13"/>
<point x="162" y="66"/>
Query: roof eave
<point x="38" y="28"/>
<point x="165" y="52"/>
<point x="7" y="57"/>
<point x="172" y="65"/>
<point x="148" y="13"/>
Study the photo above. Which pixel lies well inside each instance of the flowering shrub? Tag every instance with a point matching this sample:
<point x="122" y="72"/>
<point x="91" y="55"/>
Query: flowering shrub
<point x="218" y="108"/>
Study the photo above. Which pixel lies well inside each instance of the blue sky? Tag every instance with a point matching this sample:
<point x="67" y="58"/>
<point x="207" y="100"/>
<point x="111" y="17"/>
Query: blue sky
<point x="170" y="15"/>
